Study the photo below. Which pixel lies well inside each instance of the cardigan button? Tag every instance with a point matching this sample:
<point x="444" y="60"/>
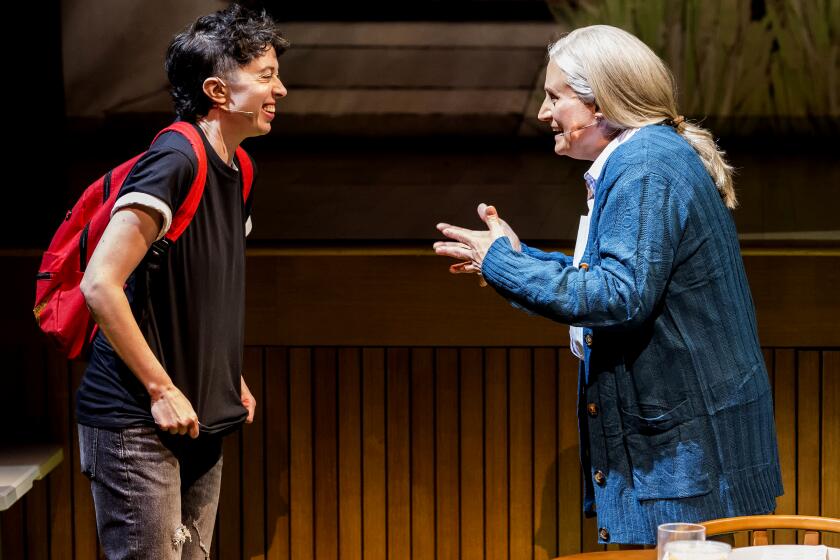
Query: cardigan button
<point x="604" y="534"/>
<point x="592" y="409"/>
<point x="583" y="266"/>
<point x="588" y="340"/>
<point x="600" y="478"/>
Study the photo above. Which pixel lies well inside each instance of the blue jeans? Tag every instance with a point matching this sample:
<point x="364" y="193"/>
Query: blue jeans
<point x="155" y="493"/>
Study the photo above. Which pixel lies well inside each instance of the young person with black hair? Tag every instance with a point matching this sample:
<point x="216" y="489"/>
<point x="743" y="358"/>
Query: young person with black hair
<point x="166" y="362"/>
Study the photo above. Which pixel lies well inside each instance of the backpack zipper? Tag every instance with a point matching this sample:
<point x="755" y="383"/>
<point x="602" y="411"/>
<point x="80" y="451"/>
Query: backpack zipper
<point x="106" y="187"/>
<point x="83" y="239"/>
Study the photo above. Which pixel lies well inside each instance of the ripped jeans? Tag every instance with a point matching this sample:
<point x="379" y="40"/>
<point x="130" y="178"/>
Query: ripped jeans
<point x="155" y="493"/>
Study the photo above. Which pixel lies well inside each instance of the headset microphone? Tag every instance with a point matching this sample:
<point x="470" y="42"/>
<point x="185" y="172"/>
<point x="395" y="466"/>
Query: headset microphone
<point x="577" y="129"/>
<point x="243" y="113"/>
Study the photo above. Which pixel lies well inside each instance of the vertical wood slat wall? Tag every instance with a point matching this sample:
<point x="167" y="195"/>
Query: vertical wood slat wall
<point x="420" y="453"/>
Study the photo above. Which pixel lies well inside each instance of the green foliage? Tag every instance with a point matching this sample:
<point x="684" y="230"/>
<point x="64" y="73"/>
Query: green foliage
<point x="741" y="64"/>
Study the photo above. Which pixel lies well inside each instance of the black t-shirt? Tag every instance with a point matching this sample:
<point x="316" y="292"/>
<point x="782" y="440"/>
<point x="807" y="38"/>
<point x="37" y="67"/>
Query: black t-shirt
<point x="190" y="304"/>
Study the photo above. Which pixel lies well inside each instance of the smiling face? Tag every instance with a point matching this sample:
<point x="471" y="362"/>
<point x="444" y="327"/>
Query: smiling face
<point x="254" y="88"/>
<point x="584" y="133"/>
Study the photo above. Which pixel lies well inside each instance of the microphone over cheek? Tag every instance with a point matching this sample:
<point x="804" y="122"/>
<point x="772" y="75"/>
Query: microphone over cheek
<point x="237" y="112"/>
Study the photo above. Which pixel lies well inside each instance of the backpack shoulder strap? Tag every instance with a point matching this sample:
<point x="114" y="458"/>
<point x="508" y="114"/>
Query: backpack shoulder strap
<point x="184" y="215"/>
<point x="246" y="166"/>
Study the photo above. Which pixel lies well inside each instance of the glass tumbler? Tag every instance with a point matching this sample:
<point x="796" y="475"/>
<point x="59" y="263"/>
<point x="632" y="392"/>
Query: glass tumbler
<point x="671" y="532"/>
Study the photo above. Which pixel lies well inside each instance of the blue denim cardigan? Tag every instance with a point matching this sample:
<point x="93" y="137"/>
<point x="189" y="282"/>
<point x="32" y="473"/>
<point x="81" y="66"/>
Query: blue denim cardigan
<point x="674" y="404"/>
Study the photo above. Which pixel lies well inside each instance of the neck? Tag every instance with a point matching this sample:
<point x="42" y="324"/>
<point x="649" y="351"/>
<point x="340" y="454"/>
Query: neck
<point x="600" y="144"/>
<point x="220" y="135"/>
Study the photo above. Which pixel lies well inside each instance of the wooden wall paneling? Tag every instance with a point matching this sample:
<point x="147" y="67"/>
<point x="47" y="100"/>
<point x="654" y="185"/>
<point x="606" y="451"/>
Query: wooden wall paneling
<point x="589" y="535"/>
<point x="784" y="395"/>
<point x="253" y="461"/>
<point x="60" y="401"/>
<point x="464" y="441"/>
<point x="84" y="518"/>
<point x="769" y="365"/>
<point x="35" y="521"/>
<point x="401" y="297"/>
<point x="447" y="460"/>
<point x="35" y="397"/>
<point x="374" y="530"/>
<point x="830" y="444"/>
<point x="808" y="434"/>
<point x="795" y="299"/>
<point x="496" y="467"/>
<point x="228" y="539"/>
<point x="276" y="410"/>
<point x="325" y="459"/>
<point x="422" y="407"/>
<point x="570" y="488"/>
<point x="521" y="454"/>
<point x="398" y="446"/>
<point x="767" y="354"/>
<point x="349" y="454"/>
<point x="472" y="454"/>
<point x="14" y="531"/>
<point x="571" y="517"/>
<point x="300" y="456"/>
<point x="296" y="301"/>
<point x="545" y="461"/>
<point x="31" y="394"/>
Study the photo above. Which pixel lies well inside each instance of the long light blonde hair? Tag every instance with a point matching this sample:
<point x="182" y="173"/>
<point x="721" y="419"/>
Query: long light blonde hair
<point x="632" y="87"/>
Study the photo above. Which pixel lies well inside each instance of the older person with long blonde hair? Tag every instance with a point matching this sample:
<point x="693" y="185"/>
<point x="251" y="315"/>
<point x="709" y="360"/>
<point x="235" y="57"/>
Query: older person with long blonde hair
<point x="675" y="409"/>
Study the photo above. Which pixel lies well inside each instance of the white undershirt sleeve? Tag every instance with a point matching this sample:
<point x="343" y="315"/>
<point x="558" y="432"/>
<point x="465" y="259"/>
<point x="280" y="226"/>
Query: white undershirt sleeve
<point x="146" y="201"/>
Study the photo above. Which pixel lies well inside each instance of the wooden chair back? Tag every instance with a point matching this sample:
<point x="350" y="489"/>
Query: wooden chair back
<point x="760" y="524"/>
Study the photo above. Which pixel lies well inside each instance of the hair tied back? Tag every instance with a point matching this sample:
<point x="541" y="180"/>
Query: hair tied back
<point x="675" y="122"/>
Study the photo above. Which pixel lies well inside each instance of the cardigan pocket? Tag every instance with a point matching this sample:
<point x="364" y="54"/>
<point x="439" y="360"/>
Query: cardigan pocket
<point x="668" y="465"/>
<point x="650" y="419"/>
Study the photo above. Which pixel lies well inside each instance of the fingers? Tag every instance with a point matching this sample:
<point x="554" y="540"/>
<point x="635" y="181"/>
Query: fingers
<point x="182" y="426"/>
<point x="451" y="244"/>
<point x="482" y="211"/>
<point x="494" y="222"/>
<point x="458" y="251"/>
<point x="463" y="235"/>
<point x="467" y="267"/>
<point x="194" y="428"/>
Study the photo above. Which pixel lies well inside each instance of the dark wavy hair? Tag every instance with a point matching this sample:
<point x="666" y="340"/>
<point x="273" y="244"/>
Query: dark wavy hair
<point x="215" y="45"/>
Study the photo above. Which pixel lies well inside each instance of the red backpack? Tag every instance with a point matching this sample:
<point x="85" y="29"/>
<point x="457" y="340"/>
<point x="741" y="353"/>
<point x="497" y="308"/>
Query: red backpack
<point x="60" y="307"/>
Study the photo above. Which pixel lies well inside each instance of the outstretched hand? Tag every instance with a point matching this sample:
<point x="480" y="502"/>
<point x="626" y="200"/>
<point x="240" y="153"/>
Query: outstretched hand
<point x="470" y="246"/>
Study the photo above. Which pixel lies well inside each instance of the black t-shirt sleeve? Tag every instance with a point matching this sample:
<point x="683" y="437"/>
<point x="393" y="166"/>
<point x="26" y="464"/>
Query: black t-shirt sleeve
<point x="164" y="173"/>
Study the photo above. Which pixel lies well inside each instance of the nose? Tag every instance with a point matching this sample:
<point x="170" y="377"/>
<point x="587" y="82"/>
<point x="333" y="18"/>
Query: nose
<point x="545" y="114"/>
<point x="278" y="89"/>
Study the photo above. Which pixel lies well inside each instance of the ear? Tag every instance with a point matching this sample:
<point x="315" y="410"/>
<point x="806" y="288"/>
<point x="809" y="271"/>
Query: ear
<point x="216" y="90"/>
